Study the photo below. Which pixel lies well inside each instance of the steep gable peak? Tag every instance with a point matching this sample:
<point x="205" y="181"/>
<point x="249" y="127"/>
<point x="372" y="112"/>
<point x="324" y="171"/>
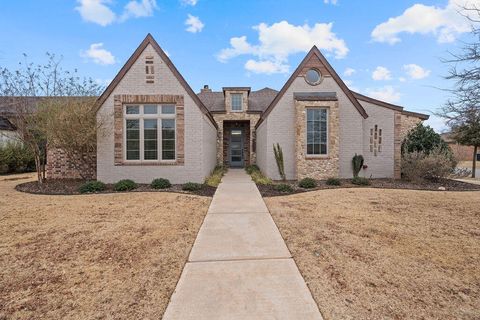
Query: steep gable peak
<point x="149" y="40"/>
<point x="315" y="59"/>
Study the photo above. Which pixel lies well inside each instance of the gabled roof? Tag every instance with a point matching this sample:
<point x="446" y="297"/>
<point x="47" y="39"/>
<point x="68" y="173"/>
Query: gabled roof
<point x="391" y="106"/>
<point x="149" y="40"/>
<point x="258" y="100"/>
<point x="314" y="52"/>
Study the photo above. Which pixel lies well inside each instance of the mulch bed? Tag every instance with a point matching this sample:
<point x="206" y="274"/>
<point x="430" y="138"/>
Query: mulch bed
<point x="70" y="187"/>
<point x="449" y="185"/>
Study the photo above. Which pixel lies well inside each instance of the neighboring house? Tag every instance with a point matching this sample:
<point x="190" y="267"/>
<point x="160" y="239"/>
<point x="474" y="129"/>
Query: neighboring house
<point x="461" y="152"/>
<point x="8" y="132"/>
<point x="154" y="125"/>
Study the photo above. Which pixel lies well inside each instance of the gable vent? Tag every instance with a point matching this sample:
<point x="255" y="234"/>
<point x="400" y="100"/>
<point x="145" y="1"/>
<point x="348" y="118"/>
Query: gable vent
<point x="149" y="70"/>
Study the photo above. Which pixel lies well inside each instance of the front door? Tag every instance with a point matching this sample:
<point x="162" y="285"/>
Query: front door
<point x="236" y="148"/>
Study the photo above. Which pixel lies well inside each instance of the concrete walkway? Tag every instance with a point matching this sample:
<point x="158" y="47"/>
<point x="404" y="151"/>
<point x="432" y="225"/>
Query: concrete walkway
<point x="239" y="266"/>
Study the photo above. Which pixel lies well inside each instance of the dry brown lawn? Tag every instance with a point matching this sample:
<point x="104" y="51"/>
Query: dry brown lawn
<point x="109" y="256"/>
<point x="386" y="254"/>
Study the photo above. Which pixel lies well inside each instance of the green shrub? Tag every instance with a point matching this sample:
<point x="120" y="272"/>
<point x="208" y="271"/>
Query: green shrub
<point x="216" y="176"/>
<point x="333" y="182"/>
<point x="252" y="168"/>
<point x="160" y="183"/>
<point x="125" y="185"/>
<point x="417" y="166"/>
<point x="307" y="183"/>
<point x="424" y="139"/>
<point x="16" y="158"/>
<point x="92" y="187"/>
<point x="360" y="181"/>
<point x="192" y="186"/>
<point x="284" y="188"/>
<point x="357" y="164"/>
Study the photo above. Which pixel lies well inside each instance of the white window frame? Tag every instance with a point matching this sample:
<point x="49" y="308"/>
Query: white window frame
<point x="241" y="101"/>
<point x="320" y="155"/>
<point x="142" y="116"/>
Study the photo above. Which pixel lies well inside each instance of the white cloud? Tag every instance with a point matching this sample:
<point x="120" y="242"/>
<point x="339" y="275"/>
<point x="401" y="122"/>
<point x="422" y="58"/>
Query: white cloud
<point x="330" y="1"/>
<point x="96" y="11"/>
<point x="194" y="24"/>
<point x="282" y="39"/>
<point x="444" y="23"/>
<point x="267" y="67"/>
<point x="189" y="2"/>
<point x="98" y="55"/>
<point x="349" y="72"/>
<point x="402" y="79"/>
<point x="415" y="71"/>
<point x="386" y="93"/>
<point x="99" y="12"/>
<point x="381" y="73"/>
<point x="138" y="9"/>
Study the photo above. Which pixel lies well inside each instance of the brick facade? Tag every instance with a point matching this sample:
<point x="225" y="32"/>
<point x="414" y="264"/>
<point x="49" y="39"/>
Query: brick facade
<point x="61" y="166"/>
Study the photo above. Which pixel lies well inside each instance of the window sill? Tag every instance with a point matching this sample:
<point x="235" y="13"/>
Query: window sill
<point x="317" y="157"/>
<point x="149" y="163"/>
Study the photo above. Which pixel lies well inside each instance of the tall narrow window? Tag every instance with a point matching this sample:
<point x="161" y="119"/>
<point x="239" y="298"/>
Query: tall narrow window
<point x="150" y="139"/>
<point x="133" y="139"/>
<point x="145" y="126"/>
<point x="375" y="140"/>
<point x="168" y="139"/>
<point x="236" y="101"/>
<point x="317" y="131"/>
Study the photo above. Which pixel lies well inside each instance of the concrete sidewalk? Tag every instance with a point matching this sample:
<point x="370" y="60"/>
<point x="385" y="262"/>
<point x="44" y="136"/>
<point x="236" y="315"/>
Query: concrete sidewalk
<point x="239" y="266"/>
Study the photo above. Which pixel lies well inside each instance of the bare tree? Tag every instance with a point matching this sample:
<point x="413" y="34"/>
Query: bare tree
<point x="31" y="85"/>
<point x="462" y="111"/>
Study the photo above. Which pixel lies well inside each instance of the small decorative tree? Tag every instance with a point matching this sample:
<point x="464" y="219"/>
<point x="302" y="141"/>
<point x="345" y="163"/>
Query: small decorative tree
<point x="357" y="164"/>
<point x="277" y="150"/>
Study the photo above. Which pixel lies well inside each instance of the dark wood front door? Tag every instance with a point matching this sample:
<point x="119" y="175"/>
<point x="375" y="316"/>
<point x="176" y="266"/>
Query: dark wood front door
<point x="236" y="148"/>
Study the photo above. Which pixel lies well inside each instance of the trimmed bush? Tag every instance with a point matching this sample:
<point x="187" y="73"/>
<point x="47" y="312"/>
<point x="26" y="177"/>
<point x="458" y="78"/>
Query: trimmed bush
<point x="92" y="187"/>
<point x="360" y="181"/>
<point x="284" y="188"/>
<point x="333" y="182"/>
<point x="307" y="183"/>
<point x="192" y="186"/>
<point x="125" y="185"/>
<point x="252" y="168"/>
<point x="160" y="183"/>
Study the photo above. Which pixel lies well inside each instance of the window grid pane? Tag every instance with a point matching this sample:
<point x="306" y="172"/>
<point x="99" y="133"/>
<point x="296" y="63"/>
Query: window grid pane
<point x="150" y="140"/>
<point x="133" y="139"/>
<point x="168" y="139"/>
<point x="236" y="101"/>
<point x="317" y="131"/>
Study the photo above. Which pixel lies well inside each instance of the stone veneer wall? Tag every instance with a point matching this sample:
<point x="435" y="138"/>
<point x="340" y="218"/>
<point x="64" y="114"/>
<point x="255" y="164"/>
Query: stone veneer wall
<point x="403" y="124"/>
<point x="317" y="167"/>
<point x="228" y="115"/>
<point x="61" y="166"/>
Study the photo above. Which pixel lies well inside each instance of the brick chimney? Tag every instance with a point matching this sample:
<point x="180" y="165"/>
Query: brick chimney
<point x="206" y="88"/>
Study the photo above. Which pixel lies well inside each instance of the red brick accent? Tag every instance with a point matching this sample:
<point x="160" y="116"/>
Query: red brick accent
<point x="120" y="100"/>
<point x="61" y="166"/>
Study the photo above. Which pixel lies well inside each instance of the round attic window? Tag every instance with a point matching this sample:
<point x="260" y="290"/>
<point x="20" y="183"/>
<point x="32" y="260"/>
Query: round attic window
<point x="313" y="77"/>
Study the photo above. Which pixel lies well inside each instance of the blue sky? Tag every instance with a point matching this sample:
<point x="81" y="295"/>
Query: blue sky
<point x="386" y="49"/>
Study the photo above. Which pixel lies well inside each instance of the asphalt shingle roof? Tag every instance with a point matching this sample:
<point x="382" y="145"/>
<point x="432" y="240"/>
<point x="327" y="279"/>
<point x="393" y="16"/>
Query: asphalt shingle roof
<point x="257" y="100"/>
